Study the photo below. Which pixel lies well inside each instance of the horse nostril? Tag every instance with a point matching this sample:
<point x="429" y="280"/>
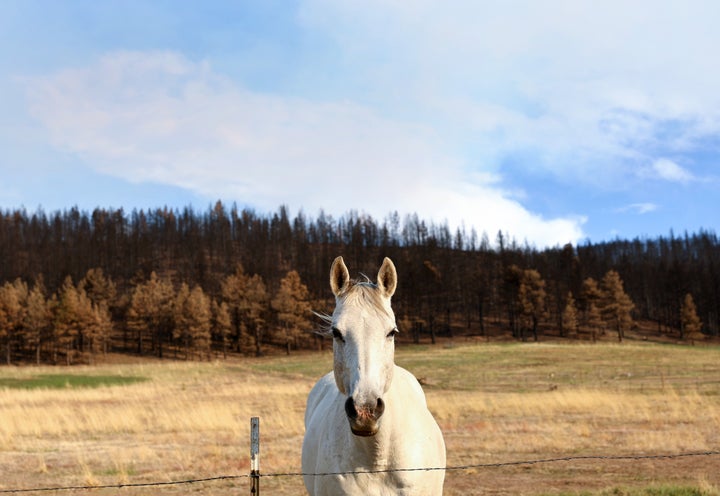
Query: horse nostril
<point x="350" y="410"/>
<point x="380" y="408"/>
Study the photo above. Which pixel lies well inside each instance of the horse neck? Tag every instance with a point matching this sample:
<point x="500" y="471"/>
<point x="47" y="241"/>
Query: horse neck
<point x="372" y="453"/>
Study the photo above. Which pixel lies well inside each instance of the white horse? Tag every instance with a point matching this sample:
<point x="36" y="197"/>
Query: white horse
<point x="368" y="414"/>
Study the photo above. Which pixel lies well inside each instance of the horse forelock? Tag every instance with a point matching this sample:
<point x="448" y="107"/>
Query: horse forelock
<point x="366" y="294"/>
<point x="357" y="293"/>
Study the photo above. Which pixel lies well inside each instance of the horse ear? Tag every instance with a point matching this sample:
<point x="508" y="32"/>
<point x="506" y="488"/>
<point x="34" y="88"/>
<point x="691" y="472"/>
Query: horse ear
<point x="387" y="278"/>
<point x="339" y="276"/>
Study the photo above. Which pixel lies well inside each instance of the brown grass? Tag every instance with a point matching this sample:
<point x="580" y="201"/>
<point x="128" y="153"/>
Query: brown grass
<point x="192" y="420"/>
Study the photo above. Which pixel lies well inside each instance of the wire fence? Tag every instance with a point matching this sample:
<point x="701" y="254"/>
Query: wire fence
<point x="454" y="468"/>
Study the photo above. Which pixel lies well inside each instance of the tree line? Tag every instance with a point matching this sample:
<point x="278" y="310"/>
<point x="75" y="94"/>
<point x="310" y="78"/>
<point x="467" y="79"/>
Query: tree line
<point x="80" y="320"/>
<point x="186" y="283"/>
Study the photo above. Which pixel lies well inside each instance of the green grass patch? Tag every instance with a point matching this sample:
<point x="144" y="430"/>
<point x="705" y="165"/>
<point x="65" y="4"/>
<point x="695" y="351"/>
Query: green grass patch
<point x="67" y="381"/>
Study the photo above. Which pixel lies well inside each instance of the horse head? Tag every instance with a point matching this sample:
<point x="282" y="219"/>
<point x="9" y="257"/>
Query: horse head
<point x="363" y="327"/>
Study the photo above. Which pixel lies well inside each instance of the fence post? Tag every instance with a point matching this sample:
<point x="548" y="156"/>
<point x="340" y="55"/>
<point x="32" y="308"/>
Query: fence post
<point x="255" y="456"/>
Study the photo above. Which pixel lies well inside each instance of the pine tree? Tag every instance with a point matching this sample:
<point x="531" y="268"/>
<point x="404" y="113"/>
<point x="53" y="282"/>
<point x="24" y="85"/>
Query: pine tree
<point x="90" y="325"/>
<point x="12" y="312"/>
<point x="247" y="301"/>
<point x="100" y="289"/>
<point x="511" y="279"/>
<point x="37" y="318"/>
<point x="181" y="316"/>
<point x="102" y="292"/>
<point x="616" y="305"/>
<point x="68" y="319"/>
<point x="199" y="307"/>
<point x="234" y="289"/>
<point x="192" y="319"/>
<point x="99" y="329"/>
<point x="292" y="307"/>
<point x="591" y="296"/>
<point x="569" y="315"/>
<point x="221" y="325"/>
<point x="255" y="307"/>
<point x="151" y="312"/>
<point x="531" y="296"/>
<point x="690" y="323"/>
<point x="594" y="320"/>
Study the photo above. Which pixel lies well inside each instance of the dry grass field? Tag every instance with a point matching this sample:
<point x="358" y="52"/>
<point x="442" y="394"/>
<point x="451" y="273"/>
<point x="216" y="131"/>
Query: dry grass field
<point x="169" y="421"/>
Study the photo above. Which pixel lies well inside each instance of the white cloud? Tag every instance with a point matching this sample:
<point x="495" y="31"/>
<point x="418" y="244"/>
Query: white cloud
<point x="638" y="208"/>
<point x="163" y="118"/>
<point x="593" y="90"/>
<point x="670" y="171"/>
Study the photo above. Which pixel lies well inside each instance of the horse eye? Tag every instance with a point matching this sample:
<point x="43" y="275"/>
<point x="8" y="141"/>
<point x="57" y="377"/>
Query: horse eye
<point x="393" y="333"/>
<point x="337" y="334"/>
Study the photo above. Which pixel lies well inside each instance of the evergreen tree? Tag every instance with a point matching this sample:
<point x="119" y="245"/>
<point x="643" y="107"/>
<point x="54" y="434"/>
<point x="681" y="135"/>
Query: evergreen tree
<point x="511" y="279"/>
<point x="221" y="325"/>
<point x="99" y="329"/>
<point x="69" y="319"/>
<point x="247" y="300"/>
<point x="12" y="311"/>
<point x="594" y="320"/>
<point x="37" y="318"/>
<point x="192" y="320"/>
<point x="100" y="289"/>
<point x="591" y="296"/>
<point x="255" y="308"/>
<point x="690" y="325"/>
<point x="234" y="292"/>
<point x="151" y="313"/>
<point x="292" y="307"/>
<point x="531" y="297"/>
<point x="200" y="319"/>
<point x="570" y="316"/>
<point x="181" y="316"/>
<point x="616" y="306"/>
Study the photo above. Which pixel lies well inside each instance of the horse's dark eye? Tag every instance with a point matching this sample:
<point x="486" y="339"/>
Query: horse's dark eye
<point x="337" y="334"/>
<point x="393" y="333"/>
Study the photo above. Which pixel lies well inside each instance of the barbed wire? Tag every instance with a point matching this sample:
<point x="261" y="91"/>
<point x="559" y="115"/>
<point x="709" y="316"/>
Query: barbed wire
<point x="374" y="471"/>
<point x="501" y="464"/>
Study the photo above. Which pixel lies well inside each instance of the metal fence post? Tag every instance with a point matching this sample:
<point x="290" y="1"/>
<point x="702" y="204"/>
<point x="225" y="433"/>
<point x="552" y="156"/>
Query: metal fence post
<point x="255" y="456"/>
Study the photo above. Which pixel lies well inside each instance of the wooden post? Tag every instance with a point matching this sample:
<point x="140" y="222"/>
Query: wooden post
<point x="255" y="456"/>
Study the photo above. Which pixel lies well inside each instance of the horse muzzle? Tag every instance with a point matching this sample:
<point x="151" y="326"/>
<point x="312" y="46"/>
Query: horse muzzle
<point x="364" y="418"/>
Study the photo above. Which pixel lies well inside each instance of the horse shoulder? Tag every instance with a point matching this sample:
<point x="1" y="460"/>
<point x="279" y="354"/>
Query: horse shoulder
<point x="408" y="386"/>
<point x="322" y="423"/>
<point x="323" y="390"/>
<point x="420" y="434"/>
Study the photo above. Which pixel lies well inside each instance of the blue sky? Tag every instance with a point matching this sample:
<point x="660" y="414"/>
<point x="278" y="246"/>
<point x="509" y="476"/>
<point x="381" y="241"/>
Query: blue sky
<point x="553" y="121"/>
